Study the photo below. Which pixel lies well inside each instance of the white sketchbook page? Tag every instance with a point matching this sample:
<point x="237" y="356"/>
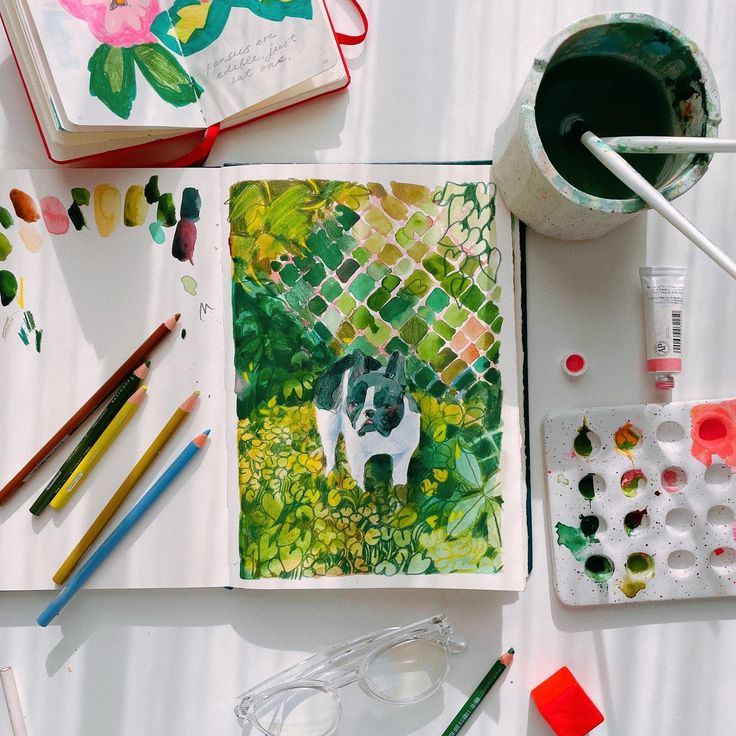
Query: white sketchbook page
<point x="96" y="299"/>
<point x="515" y="534"/>
<point x="67" y="45"/>
<point x="256" y="58"/>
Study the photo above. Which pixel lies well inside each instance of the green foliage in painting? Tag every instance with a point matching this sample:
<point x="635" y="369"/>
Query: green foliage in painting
<point x="112" y="78"/>
<point x="324" y="268"/>
<point x="189" y="26"/>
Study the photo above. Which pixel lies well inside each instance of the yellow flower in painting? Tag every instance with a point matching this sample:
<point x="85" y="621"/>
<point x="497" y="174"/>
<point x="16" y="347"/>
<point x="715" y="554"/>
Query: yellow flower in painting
<point x="440" y="474"/>
<point x="428" y="487"/>
<point x="334" y="497"/>
<point x="463" y="554"/>
<point x="313" y="465"/>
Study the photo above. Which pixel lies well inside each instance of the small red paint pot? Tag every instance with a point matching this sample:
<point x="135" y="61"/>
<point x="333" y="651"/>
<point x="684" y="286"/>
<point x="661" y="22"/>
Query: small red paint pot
<point x="574" y="365"/>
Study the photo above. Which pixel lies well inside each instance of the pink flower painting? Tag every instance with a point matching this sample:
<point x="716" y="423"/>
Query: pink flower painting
<point x="119" y="23"/>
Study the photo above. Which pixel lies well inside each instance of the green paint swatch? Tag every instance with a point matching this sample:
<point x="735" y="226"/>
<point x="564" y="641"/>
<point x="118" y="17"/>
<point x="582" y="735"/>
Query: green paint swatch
<point x="6" y="219"/>
<point x="5" y="247"/>
<point x="8" y="287"/>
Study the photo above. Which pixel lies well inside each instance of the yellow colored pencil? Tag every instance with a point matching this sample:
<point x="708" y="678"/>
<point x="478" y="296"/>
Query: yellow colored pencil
<point x="126" y="487"/>
<point x="99" y="448"/>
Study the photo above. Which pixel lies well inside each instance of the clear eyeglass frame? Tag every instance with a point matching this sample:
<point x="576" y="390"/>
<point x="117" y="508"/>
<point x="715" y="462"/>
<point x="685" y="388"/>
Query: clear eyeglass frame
<point x="399" y="665"/>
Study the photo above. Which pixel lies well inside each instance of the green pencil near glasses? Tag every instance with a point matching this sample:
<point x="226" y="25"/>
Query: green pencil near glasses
<point x="479" y="693"/>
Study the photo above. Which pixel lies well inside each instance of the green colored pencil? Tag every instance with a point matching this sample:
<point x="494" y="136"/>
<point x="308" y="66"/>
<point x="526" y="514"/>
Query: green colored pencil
<point x="125" y="391"/>
<point x="479" y="693"/>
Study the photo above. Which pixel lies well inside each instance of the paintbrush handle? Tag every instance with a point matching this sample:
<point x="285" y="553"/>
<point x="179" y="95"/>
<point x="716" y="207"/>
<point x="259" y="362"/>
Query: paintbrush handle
<point x="669" y="144"/>
<point x="633" y="179"/>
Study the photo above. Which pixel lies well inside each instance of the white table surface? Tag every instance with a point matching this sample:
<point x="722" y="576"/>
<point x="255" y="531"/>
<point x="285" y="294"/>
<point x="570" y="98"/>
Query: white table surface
<point x="432" y="83"/>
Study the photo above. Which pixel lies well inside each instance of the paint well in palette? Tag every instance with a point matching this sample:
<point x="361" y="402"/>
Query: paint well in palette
<point x="55" y="216"/>
<point x="639" y="569"/>
<point x="24" y="205"/>
<point x="599" y="568"/>
<point x="631" y="481"/>
<point x="586" y="443"/>
<point x="634" y="520"/>
<point x="107" y="207"/>
<point x="591" y="484"/>
<point x="626" y="439"/>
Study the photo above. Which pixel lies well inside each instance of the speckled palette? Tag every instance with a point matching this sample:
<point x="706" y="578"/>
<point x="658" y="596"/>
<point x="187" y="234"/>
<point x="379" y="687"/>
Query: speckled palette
<point x="641" y="502"/>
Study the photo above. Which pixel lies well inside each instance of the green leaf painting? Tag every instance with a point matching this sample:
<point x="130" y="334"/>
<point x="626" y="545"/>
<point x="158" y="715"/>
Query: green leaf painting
<point x="165" y="74"/>
<point x="112" y="78"/>
<point x="327" y="271"/>
<point x="189" y="26"/>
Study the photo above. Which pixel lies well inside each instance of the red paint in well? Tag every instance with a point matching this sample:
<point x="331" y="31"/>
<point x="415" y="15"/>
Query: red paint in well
<point x="712" y="429"/>
<point x="718" y="552"/>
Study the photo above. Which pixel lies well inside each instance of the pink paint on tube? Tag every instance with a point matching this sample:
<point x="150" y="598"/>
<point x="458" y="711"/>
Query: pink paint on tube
<point x="664" y="292"/>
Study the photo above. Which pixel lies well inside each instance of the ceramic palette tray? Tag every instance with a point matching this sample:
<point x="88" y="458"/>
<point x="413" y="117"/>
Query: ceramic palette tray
<point x="641" y="501"/>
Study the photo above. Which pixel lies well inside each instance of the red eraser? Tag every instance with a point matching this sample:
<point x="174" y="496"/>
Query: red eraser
<point x="565" y="706"/>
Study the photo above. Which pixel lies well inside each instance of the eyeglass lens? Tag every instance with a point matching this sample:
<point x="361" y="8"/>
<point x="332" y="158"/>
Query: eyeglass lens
<point x="299" y="711"/>
<point x="408" y="671"/>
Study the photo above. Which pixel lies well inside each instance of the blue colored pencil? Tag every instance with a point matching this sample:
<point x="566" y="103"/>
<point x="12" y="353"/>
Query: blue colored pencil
<point x="79" y="578"/>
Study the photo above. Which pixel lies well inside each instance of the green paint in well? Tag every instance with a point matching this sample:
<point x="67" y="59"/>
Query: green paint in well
<point x="587" y="486"/>
<point x="639" y="569"/>
<point x="599" y="568"/>
<point x="582" y="443"/>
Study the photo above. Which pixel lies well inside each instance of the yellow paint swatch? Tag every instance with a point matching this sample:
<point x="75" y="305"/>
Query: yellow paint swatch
<point x="136" y="206"/>
<point x="108" y="204"/>
<point x="20" y="293"/>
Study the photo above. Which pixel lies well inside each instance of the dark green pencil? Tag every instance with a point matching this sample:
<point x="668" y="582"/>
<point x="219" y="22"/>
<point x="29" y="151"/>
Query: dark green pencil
<point x="126" y="389"/>
<point x="479" y="693"/>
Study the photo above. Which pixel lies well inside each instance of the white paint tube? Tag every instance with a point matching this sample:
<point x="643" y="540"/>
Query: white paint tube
<point x="664" y="292"/>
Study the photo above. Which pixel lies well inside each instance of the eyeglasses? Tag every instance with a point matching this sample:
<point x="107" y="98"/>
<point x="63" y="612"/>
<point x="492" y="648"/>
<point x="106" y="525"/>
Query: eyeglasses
<point x="397" y="665"/>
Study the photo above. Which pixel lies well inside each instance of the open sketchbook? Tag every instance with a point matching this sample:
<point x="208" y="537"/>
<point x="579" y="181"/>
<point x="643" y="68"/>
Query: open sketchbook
<point x="354" y="332"/>
<point x="103" y="75"/>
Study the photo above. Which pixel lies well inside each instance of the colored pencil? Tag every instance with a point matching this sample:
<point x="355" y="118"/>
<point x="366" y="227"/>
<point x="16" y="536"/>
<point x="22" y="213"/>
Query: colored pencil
<point x="479" y="693"/>
<point x="127" y="486"/>
<point x="82" y="471"/>
<point x="77" y="580"/>
<point x="88" y="407"/>
<point x="126" y="390"/>
<point x="17" y="722"/>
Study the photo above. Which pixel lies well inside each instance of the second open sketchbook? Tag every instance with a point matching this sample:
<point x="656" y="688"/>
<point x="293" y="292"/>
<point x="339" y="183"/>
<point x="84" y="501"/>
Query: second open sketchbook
<point x="105" y="75"/>
<point x="355" y="335"/>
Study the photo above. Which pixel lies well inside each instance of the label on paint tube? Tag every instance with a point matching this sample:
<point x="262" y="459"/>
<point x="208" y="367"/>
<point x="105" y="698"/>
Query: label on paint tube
<point x="664" y="292"/>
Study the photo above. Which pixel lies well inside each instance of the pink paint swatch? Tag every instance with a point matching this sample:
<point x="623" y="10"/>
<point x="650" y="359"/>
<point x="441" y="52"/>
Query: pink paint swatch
<point x="54" y="215"/>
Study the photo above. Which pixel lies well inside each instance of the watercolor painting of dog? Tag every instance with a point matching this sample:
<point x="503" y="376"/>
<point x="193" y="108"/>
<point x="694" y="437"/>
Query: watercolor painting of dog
<point x="370" y="406"/>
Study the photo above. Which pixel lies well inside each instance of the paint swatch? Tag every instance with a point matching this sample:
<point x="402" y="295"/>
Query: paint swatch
<point x="136" y="206"/>
<point x="5" y="247"/>
<point x="8" y="287"/>
<point x="55" y="216"/>
<point x="185" y="235"/>
<point x="107" y="207"/>
<point x="80" y="198"/>
<point x="24" y="205"/>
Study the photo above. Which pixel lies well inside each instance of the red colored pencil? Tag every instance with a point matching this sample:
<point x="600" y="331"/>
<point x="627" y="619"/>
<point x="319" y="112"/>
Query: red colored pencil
<point x="89" y="407"/>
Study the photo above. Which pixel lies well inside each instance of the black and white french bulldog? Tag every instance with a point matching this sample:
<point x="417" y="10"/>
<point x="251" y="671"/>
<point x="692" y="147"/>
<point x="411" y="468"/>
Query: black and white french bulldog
<point x="372" y="409"/>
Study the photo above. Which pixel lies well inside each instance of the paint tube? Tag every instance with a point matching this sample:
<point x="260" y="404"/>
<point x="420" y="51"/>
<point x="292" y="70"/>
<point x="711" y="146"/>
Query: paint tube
<point x="664" y="291"/>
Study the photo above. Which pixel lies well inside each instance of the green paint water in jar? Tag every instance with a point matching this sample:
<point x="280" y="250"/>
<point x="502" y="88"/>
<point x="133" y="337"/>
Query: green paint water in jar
<point x="614" y="97"/>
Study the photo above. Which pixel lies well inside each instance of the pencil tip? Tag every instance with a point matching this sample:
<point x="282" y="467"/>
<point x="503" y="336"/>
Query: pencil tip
<point x="207" y="432"/>
<point x="200" y="439"/>
<point x="512" y="651"/>
<point x="170" y="323"/>
<point x="189" y="402"/>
